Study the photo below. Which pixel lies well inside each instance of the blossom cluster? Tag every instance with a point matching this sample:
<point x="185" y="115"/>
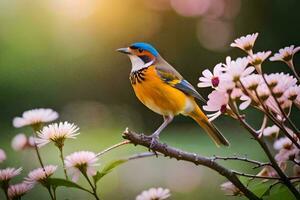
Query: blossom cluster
<point x="78" y="163"/>
<point x="238" y="84"/>
<point x="242" y="81"/>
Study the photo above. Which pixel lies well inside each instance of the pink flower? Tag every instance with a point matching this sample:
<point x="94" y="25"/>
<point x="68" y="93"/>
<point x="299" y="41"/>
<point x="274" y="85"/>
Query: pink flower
<point x="209" y="79"/>
<point x="283" y="142"/>
<point x="285" y="54"/>
<point x="257" y="59"/>
<point x="286" y="154"/>
<point x="271" y="130"/>
<point x="292" y="93"/>
<point x="236" y="69"/>
<point x="246" y="101"/>
<point x="18" y="190"/>
<point x="230" y="189"/>
<point x="285" y="104"/>
<point x="57" y="133"/>
<point x="154" y="194"/>
<point x="2" y="155"/>
<point x="81" y="162"/>
<point x="40" y="174"/>
<point x="9" y="173"/>
<point x="236" y="93"/>
<point x="35" y="116"/>
<point x="217" y="102"/>
<point x="226" y="85"/>
<point x="268" y="171"/>
<point x="252" y="81"/>
<point x="263" y="92"/>
<point x="19" y="142"/>
<point x="284" y="82"/>
<point x="245" y="43"/>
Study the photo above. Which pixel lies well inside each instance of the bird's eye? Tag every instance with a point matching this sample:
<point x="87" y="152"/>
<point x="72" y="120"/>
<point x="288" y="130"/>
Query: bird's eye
<point x="141" y="50"/>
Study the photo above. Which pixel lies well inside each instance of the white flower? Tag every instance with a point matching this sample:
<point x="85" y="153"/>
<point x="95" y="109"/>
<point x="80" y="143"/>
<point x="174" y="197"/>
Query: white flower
<point x="283" y="142"/>
<point x="154" y="194"/>
<point x="57" y="133"/>
<point x="39" y="175"/>
<point x="292" y="93"/>
<point x="271" y="130"/>
<point x="286" y="154"/>
<point x="226" y="85"/>
<point x="272" y="79"/>
<point x="35" y="116"/>
<point x="211" y="79"/>
<point x="19" y="142"/>
<point x="285" y="104"/>
<point x="236" y="93"/>
<point x="263" y="92"/>
<point x="252" y="81"/>
<point x="285" y="54"/>
<point x="2" y="155"/>
<point x="236" y="69"/>
<point x="257" y="59"/>
<point x="81" y="162"/>
<point x="230" y="189"/>
<point x="18" y="190"/>
<point x="9" y="173"/>
<point x="217" y="102"/>
<point x="284" y="82"/>
<point x="245" y="43"/>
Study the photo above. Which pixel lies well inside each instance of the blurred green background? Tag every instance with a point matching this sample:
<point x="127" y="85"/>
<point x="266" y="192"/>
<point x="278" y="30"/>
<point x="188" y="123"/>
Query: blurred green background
<point x="61" y="54"/>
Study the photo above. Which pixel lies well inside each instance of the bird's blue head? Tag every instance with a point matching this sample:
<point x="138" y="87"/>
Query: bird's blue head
<point x="144" y="51"/>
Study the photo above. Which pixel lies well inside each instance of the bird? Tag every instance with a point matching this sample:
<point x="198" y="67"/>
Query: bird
<point x="162" y="89"/>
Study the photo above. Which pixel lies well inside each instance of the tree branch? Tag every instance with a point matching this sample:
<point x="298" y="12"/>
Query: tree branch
<point x="141" y="139"/>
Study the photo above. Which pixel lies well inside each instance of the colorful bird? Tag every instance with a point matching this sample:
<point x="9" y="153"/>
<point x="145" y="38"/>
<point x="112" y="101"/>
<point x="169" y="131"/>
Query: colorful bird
<point x="163" y="90"/>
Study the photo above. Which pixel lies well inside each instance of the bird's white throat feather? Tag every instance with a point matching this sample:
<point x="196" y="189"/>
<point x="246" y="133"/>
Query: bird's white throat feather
<point x="137" y="63"/>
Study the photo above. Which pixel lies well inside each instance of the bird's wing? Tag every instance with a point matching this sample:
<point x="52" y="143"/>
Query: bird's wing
<point x="170" y="76"/>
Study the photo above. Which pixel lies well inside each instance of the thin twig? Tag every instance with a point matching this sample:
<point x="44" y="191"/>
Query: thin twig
<point x="112" y="147"/>
<point x="257" y="163"/>
<point x="255" y="176"/>
<point x="143" y="155"/>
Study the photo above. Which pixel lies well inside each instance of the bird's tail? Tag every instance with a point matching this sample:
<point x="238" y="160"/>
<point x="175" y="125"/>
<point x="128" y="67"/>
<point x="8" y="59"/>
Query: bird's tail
<point x="209" y="128"/>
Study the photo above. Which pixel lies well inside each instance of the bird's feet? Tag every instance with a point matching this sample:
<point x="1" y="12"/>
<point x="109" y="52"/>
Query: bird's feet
<point x="154" y="140"/>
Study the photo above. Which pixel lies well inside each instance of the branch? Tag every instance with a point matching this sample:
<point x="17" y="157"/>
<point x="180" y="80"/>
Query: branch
<point x="264" y="146"/>
<point x="141" y="139"/>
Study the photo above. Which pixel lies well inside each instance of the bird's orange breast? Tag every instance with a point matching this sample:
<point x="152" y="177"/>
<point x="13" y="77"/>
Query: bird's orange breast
<point x="158" y="95"/>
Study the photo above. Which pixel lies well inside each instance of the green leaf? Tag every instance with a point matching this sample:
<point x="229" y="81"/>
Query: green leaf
<point x="107" y="169"/>
<point x="58" y="182"/>
<point x="263" y="190"/>
<point x="280" y="192"/>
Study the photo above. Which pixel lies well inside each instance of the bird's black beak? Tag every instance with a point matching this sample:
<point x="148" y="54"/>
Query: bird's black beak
<point x="124" y="50"/>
